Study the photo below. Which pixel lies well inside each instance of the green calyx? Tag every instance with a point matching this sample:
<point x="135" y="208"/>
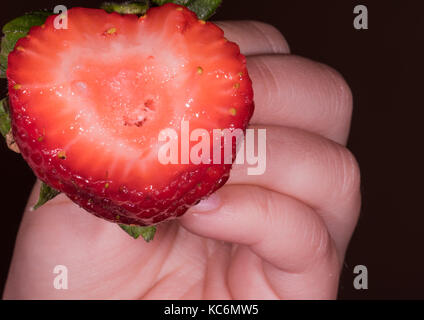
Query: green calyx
<point x="180" y="2"/>
<point x="203" y="8"/>
<point x="4" y="117"/>
<point x="147" y="233"/>
<point x="46" y="194"/>
<point x="130" y="7"/>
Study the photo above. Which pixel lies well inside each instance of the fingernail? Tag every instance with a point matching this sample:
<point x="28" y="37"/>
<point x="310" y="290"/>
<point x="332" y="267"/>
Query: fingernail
<point x="211" y="203"/>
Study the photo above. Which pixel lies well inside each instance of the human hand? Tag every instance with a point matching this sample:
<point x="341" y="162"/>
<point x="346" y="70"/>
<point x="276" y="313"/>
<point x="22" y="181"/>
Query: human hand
<point x="282" y="235"/>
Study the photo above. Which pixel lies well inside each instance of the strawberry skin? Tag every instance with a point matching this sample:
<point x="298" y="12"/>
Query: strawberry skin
<point x="88" y="103"/>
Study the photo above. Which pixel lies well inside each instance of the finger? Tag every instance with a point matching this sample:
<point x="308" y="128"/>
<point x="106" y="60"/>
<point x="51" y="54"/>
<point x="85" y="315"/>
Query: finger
<point x="246" y="268"/>
<point x="280" y="229"/>
<point x="320" y="283"/>
<point x="284" y="232"/>
<point x="297" y="92"/>
<point x="315" y="170"/>
<point x="98" y="255"/>
<point x="255" y="37"/>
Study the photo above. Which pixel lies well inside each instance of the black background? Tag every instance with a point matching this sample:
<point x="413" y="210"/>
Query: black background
<point x="383" y="67"/>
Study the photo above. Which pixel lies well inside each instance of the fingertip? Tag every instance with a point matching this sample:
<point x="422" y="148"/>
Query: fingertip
<point x="255" y="37"/>
<point x="211" y="203"/>
<point x="223" y="217"/>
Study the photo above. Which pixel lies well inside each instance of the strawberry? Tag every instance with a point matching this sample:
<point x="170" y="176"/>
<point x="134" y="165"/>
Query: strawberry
<point x="88" y="103"/>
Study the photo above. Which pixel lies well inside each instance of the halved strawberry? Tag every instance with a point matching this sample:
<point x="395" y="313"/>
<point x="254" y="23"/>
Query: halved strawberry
<point x="88" y="103"/>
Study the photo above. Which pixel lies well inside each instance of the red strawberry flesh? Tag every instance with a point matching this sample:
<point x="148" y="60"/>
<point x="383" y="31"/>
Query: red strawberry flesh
<point x="88" y="103"/>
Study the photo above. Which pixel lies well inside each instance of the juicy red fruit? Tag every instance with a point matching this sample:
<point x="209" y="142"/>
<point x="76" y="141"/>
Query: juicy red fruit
<point x="88" y="103"/>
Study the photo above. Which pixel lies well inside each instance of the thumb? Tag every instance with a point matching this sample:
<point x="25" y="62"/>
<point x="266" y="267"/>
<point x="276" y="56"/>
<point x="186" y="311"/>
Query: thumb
<point x="282" y="230"/>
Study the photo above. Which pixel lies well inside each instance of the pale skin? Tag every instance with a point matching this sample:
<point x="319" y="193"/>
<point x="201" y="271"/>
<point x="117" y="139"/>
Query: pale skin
<point x="282" y="235"/>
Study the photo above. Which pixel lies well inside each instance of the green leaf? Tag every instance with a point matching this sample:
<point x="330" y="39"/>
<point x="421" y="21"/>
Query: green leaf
<point x="16" y="29"/>
<point x="136" y="231"/>
<point x="181" y="2"/>
<point x="130" y="7"/>
<point x="46" y="193"/>
<point x="4" y="117"/>
<point x="26" y="22"/>
<point x="203" y="8"/>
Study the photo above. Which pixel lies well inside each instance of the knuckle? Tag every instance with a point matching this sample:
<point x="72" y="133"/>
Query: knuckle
<point x="264" y="203"/>
<point x="321" y="245"/>
<point x="265" y="68"/>
<point x="272" y="35"/>
<point x="350" y="175"/>
<point x="342" y="94"/>
<point x="318" y="246"/>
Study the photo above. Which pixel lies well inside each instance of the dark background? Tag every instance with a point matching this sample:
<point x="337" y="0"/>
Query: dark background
<point x="383" y="67"/>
